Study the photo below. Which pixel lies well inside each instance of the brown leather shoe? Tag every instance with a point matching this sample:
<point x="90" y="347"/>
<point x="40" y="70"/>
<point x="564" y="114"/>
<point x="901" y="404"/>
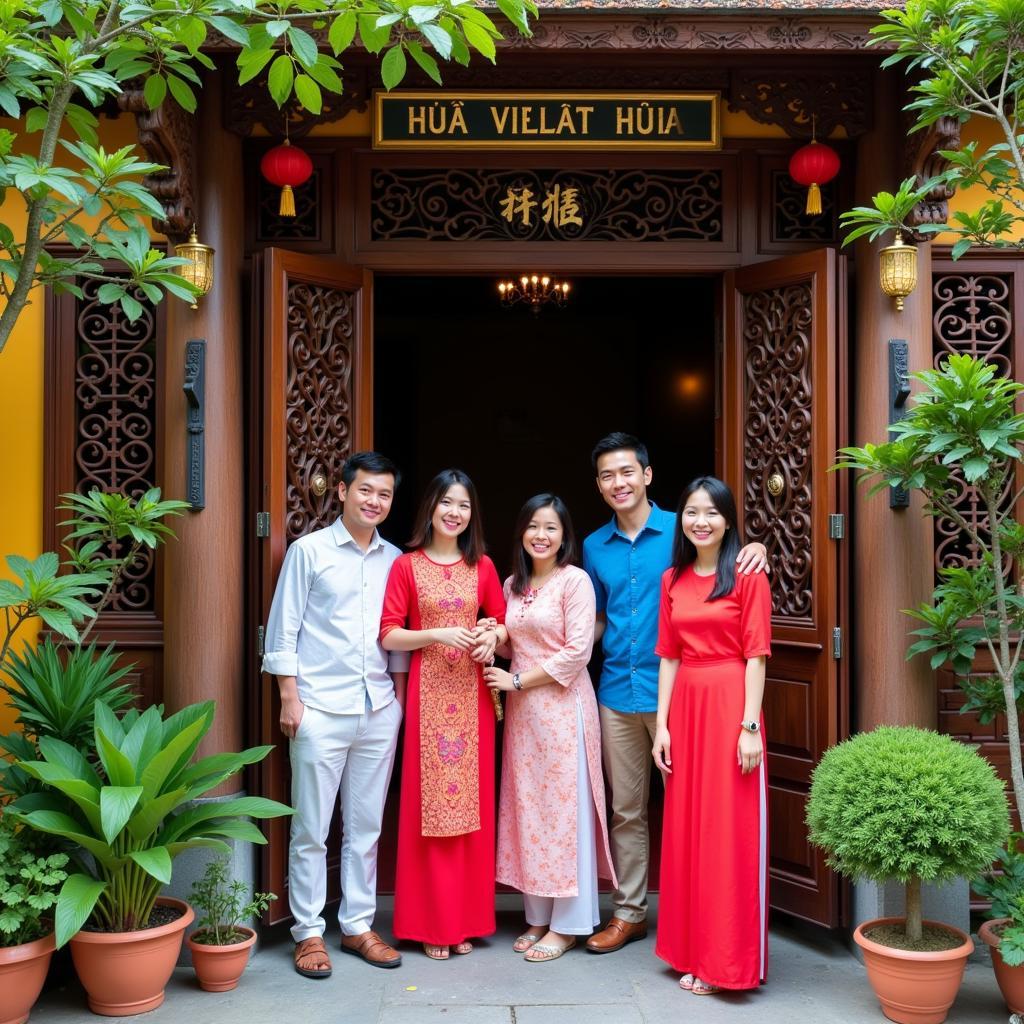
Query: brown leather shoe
<point x="616" y="935"/>
<point x="372" y="948"/>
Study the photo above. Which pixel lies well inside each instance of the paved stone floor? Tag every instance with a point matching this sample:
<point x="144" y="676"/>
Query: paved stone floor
<point x="813" y="978"/>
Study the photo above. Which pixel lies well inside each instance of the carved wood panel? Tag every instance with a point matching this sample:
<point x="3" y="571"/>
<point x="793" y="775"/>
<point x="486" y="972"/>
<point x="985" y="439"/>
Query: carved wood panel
<point x="783" y="418"/>
<point x="103" y="402"/>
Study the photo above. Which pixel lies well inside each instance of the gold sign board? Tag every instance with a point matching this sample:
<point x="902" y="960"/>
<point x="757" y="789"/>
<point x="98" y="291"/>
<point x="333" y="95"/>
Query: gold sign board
<point x="580" y="120"/>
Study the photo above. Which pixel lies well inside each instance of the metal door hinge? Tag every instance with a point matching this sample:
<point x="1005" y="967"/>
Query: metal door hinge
<point x="262" y="524"/>
<point x="260" y="634"/>
<point x="836" y="526"/>
<point x="837" y="643"/>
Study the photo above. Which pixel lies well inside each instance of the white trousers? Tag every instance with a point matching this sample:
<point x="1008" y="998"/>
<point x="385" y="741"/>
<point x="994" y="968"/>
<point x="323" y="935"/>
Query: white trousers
<point x="352" y="755"/>
<point x="574" y="915"/>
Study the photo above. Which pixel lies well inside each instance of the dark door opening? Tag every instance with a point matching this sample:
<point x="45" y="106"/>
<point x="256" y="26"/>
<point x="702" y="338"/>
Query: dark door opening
<point x="518" y="399"/>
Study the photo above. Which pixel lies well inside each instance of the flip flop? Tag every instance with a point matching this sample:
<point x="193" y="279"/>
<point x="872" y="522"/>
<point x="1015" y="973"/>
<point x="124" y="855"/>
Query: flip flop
<point x="530" y="938"/>
<point x="551" y="952"/>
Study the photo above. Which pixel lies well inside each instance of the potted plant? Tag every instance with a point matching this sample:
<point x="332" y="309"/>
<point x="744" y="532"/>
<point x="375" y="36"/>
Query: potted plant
<point x="132" y="814"/>
<point x="906" y="804"/>
<point x="29" y="880"/>
<point x="1004" y="933"/>
<point x="221" y="944"/>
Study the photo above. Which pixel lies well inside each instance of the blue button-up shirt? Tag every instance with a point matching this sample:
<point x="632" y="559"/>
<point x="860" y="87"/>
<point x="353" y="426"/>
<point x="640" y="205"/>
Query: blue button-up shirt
<point x="627" y="580"/>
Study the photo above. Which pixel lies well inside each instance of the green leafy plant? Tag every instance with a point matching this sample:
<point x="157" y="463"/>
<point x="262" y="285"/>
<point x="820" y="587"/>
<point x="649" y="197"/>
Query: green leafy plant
<point x="134" y="814"/>
<point x="223" y="904"/>
<point x="964" y="421"/>
<point x="1004" y="889"/>
<point x="60" y="62"/>
<point x="888" y="212"/>
<point x="29" y="883"/>
<point x="906" y="804"/>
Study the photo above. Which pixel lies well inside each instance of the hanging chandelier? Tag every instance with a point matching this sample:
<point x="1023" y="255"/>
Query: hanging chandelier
<point x="535" y="290"/>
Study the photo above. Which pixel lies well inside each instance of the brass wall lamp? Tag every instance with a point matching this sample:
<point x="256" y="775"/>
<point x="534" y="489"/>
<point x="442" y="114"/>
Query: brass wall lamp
<point x="897" y="269"/>
<point x="199" y="270"/>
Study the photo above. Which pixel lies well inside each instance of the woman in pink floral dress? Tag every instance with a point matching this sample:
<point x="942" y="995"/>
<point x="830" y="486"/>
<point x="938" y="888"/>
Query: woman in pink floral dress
<point x="552" y="833"/>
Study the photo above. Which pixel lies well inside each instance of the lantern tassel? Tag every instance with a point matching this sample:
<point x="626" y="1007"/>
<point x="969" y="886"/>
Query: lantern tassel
<point x="813" y="200"/>
<point x="287" y="205"/>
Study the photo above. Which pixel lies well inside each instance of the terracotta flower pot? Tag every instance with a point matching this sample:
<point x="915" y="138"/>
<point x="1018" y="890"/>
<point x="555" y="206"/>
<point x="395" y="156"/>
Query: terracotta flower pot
<point x="218" y="968"/>
<point x="22" y="973"/>
<point x="1009" y="979"/>
<point x="914" y="988"/>
<point x="126" y="972"/>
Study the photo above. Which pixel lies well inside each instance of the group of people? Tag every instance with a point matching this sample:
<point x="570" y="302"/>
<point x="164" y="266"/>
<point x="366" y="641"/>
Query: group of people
<point x="361" y="636"/>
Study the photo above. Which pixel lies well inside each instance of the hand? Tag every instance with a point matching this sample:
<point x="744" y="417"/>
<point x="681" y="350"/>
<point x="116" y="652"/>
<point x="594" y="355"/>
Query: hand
<point x="484" y="624"/>
<point x="753" y="558"/>
<point x="483" y="652"/>
<point x="749" y="751"/>
<point x="662" y="750"/>
<point x="454" y="636"/>
<point x="498" y="679"/>
<point x="291" y="715"/>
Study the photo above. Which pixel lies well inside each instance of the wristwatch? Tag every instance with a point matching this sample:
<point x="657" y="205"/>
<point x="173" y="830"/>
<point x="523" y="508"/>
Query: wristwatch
<point x="751" y="726"/>
<point x="517" y="682"/>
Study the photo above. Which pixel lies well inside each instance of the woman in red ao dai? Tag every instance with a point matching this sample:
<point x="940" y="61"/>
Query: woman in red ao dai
<point x="444" y="880"/>
<point x="714" y="637"/>
<point x="552" y="833"/>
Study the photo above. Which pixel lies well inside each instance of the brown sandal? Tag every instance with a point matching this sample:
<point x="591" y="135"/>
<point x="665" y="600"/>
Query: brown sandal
<point x="372" y="948"/>
<point x="311" y="959"/>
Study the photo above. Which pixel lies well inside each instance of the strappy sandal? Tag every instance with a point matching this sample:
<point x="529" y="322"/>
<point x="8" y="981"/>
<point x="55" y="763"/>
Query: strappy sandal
<point x="526" y="941"/>
<point x="435" y="952"/>
<point x="462" y="948"/>
<point x="702" y="988"/>
<point x="311" y="959"/>
<point x="549" y="952"/>
<point x="686" y="982"/>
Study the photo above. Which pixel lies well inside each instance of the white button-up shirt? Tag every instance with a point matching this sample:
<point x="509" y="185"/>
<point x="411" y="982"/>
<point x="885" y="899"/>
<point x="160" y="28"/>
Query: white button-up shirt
<point x="325" y="620"/>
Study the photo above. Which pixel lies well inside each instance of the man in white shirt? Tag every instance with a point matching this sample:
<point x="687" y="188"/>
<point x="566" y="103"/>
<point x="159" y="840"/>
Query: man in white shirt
<point x="341" y="707"/>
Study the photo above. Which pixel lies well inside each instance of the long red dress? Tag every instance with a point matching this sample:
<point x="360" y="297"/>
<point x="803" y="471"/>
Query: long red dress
<point x="713" y="905"/>
<point x="444" y="879"/>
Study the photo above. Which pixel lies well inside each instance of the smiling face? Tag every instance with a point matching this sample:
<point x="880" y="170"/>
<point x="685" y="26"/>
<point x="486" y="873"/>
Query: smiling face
<point x="452" y="513"/>
<point x="542" y="538"/>
<point x="703" y="525"/>
<point x="367" y="500"/>
<point x="622" y="481"/>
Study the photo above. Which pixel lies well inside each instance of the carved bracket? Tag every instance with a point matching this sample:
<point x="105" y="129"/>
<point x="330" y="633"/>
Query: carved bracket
<point x="195" y="394"/>
<point x="841" y="100"/>
<point x="169" y="137"/>
<point x="923" y="160"/>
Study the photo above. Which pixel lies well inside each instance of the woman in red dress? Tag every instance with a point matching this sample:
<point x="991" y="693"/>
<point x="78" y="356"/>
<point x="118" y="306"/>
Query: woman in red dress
<point x="444" y="881"/>
<point x="714" y="637"/>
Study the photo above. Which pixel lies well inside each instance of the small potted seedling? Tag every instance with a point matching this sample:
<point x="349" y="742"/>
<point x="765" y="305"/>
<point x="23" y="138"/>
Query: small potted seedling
<point x="221" y="944"/>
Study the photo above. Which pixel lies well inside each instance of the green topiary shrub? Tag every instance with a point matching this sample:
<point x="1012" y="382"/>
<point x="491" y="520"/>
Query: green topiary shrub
<point x="909" y="805"/>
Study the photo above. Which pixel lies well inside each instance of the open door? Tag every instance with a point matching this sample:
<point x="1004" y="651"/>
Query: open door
<point x="310" y="407"/>
<point x="784" y="417"/>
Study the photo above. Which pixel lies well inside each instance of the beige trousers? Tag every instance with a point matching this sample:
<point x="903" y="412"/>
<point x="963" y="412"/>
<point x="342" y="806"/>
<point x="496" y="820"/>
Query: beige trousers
<point x="626" y="741"/>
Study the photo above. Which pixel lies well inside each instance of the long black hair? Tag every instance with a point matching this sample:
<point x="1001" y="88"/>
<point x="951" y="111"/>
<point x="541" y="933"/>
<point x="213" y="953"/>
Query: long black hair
<point x="522" y="564"/>
<point x="471" y="540"/>
<point x="684" y="553"/>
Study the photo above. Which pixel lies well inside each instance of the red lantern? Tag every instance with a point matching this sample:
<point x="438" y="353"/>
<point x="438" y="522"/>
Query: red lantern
<point x="813" y="165"/>
<point x="286" y="167"/>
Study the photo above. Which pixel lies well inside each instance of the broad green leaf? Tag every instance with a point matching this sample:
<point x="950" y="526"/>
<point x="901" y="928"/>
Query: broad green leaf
<point x="342" y="32"/>
<point x="392" y="67"/>
<point x="75" y="903"/>
<point x="304" y="46"/>
<point x="424" y="60"/>
<point x="308" y="94"/>
<point x="479" y="39"/>
<point x="279" y="81"/>
<point x="182" y="93"/>
<point x="439" y="39"/>
<point x="155" y="862"/>
<point x="116" y="806"/>
<point x="155" y="91"/>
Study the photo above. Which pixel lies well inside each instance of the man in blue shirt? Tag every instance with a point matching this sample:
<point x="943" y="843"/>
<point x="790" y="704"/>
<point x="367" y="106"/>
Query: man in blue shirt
<point x="626" y="559"/>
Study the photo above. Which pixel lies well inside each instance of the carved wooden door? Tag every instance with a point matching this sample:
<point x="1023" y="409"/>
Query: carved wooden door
<point x="784" y="417"/>
<point x="312" y="404"/>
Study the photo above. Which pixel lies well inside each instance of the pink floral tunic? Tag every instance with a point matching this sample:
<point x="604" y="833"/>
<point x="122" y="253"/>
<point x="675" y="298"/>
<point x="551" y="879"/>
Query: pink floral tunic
<point x="537" y="810"/>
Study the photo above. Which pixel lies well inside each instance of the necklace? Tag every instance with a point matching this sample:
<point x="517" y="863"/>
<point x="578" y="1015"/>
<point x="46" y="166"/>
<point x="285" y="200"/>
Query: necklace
<point x="532" y="591"/>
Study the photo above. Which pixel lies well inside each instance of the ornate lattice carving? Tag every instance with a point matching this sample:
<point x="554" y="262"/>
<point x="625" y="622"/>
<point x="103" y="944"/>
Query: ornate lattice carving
<point x="168" y="135"/>
<point x="791" y="101"/>
<point x="462" y="205"/>
<point x="321" y="322"/>
<point x="115" y="416"/>
<point x="246" y="106"/>
<point x="972" y="315"/>
<point x="924" y="160"/>
<point x="777" y="438"/>
<point x="309" y="208"/>
<point x="789" y="221"/>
